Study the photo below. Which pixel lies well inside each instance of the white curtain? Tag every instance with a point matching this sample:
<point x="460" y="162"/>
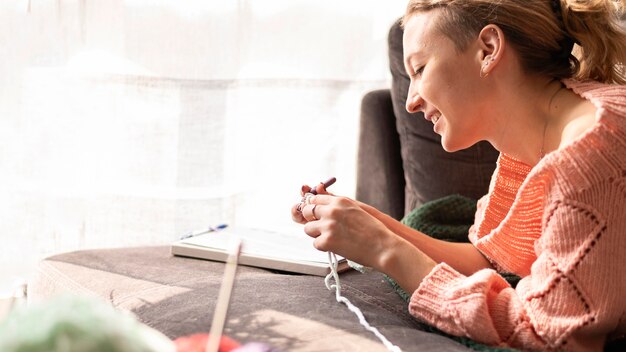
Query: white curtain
<point x="129" y="122"/>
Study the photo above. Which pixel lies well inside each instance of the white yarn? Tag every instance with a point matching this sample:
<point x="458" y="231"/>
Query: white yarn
<point x="332" y="261"/>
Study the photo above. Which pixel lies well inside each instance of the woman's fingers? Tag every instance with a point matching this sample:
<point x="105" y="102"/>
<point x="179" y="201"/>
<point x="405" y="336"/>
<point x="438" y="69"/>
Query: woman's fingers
<point x="312" y="207"/>
<point x="305" y="189"/>
<point x="321" y="199"/>
<point x="318" y="231"/>
<point x="311" y="212"/>
<point x="308" y="209"/>
<point x="312" y="229"/>
<point x="319" y="189"/>
<point x="296" y="214"/>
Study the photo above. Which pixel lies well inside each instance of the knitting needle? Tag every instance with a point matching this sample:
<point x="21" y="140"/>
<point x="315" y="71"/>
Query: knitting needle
<point x="223" y="299"/>
<point x="327" y="184"/>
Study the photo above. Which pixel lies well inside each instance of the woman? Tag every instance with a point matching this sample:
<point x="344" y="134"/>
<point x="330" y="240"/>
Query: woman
<point x="502" y="71"/>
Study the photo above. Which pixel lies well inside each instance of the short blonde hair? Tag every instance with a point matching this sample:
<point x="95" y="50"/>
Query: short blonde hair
<point x="543" y="33"/>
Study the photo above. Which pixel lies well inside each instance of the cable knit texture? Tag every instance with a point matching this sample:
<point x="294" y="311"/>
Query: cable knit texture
<point x="560" y="225"/>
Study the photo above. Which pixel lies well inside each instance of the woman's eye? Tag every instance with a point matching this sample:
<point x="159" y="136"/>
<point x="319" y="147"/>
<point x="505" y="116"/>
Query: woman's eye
<point x="418" y="71"/>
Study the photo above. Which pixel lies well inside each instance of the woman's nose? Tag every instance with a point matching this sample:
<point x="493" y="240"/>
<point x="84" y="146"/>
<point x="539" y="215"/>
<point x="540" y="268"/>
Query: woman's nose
<point x="413" y="101"/>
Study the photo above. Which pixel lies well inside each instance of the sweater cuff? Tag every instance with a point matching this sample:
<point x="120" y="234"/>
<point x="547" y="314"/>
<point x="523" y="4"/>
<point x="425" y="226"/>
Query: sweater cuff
<point x="430" y="300"/>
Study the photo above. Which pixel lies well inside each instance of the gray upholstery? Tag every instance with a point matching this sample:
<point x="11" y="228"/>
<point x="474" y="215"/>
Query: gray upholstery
<point x="380" y="176"/>
<point x="291" y="312"/>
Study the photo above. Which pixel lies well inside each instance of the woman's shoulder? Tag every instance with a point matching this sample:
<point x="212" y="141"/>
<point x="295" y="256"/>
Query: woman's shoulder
<point x="598" y="113"/>
<point x="594" y="160"/>
<point x="603" y="95"/>
<point x="591" y="87"/>
<point x="581" y="116"/>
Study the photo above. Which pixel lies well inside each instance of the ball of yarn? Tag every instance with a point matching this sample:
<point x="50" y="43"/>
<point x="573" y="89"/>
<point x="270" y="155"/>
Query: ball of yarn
<point x="198" y="342"/>
<point x="78" y="324"/>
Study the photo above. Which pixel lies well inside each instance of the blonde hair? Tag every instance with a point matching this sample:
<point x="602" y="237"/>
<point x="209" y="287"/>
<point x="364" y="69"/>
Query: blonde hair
<point x="543" y="32"/>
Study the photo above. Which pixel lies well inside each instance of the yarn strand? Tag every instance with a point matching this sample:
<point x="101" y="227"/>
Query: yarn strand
<point x="333" y="263"/>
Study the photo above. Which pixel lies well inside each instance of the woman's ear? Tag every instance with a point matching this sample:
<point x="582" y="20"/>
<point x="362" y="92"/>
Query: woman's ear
<point x="491" y="43"/>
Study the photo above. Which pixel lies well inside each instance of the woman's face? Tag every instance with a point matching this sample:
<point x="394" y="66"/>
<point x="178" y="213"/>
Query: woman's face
<point x="445" y="83"/>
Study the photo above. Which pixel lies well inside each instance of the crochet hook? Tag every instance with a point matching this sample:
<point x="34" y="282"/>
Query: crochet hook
<point x="326" y="184"/>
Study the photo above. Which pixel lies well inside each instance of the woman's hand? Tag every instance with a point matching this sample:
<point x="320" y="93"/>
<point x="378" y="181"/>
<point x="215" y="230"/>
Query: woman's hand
<point x="345" y="227"/>
<point x="341" y="226"/>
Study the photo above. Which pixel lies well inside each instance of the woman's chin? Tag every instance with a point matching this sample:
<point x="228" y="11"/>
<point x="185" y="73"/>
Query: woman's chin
<point x="449" y="149"/>
<point x="447" y="144"/>
<point x="451" y="146"/>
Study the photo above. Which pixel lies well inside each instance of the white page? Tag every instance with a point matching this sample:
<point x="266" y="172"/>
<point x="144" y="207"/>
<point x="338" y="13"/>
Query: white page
<point x="263" y="243"/>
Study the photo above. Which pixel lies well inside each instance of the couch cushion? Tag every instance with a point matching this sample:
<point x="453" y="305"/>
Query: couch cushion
<point x="177" y="295"/>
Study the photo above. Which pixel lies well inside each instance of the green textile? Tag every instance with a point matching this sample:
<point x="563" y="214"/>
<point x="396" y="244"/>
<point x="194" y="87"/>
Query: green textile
<point x="448" y="219"/>
<point x="71" y="323"/>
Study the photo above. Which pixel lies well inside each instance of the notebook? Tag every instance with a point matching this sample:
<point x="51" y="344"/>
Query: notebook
<point x="292" y="252"/>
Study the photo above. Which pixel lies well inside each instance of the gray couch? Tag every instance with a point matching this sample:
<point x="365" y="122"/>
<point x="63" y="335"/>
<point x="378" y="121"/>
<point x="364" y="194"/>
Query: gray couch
<point x="177" y="296"/>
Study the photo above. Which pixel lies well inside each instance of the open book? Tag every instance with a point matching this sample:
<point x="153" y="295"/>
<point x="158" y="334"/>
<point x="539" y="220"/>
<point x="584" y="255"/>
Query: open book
<point x="261" y="248"/>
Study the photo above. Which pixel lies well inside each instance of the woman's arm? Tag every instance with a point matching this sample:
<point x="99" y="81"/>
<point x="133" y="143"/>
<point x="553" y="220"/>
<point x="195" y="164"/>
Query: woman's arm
<point x="570" y="300"/>
<point x="463" y="257"/>
<point x="341" y="226"/>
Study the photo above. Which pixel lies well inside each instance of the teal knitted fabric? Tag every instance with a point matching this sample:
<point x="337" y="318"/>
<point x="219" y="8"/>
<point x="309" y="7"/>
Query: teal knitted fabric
<point x="447" y="219"/>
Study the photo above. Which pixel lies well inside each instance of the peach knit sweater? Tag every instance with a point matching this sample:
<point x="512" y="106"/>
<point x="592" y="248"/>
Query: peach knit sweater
<point x="561" y="226"/>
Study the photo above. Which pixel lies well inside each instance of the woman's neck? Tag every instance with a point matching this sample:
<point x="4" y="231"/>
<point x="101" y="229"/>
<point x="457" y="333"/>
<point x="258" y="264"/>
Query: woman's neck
<point x="524" y="127"/>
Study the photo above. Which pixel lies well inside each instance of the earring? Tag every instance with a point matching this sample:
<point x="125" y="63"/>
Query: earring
<point x="484" y="66"/>
<point x="482" y="70"/>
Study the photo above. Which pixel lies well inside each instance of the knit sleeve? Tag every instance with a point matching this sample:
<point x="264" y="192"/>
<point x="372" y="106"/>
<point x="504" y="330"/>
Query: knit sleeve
<point x="483" y="307"/>
<point x="547" y="309"/>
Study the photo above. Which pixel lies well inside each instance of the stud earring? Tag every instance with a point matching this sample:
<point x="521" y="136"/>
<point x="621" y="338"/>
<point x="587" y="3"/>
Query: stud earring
<point x="485" y="65"/>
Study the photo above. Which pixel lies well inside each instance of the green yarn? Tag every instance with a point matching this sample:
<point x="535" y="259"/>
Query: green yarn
<point x="77" y="324"/>
<point x="447" y="219"/>
<point x="359" y="267"/>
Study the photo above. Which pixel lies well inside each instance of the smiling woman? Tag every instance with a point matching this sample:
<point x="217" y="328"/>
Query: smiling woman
<point x="442" y="76"/>
<point x="553" y="214"/>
